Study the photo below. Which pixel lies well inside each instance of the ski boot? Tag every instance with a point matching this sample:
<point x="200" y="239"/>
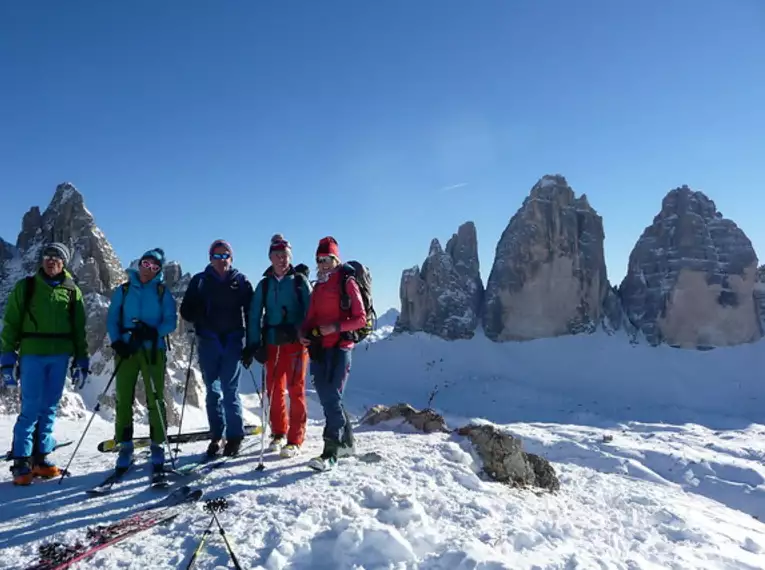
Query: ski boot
<point x="158" y="473"/>
<point x="232" y="446"/>
<point x="289" y="450"/>
<point x="215" y="448"/>
<point x="125" y="457"/>
<point x="277" y="442"/>
<point x="328" y="457"/>
<point x="43" y="468"/>
<point x="22" y="472"/>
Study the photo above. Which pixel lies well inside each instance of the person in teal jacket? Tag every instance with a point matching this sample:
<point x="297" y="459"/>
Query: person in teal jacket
<point x="281" y="301"/>
<point x="141" y="315"/>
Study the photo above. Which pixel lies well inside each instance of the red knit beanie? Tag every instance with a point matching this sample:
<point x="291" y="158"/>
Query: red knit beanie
<point x="278" y="243"/>
<point x="328" y="246"/>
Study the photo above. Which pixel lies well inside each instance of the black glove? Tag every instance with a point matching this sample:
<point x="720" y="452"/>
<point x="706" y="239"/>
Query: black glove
<point x="142" y="332"/>
<point x="122" y="349"/>
<point x="254" y="352"/>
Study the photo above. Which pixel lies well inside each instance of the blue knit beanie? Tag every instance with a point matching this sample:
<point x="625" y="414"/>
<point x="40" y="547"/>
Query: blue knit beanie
<point x="156" y="253"/>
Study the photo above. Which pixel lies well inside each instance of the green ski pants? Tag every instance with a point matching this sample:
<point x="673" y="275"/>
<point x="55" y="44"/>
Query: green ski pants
<point x="127" y="378"/>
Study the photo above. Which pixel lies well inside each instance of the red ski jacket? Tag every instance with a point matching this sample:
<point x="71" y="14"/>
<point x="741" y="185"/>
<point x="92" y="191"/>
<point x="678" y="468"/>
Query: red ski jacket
<point x="324" y="309"/>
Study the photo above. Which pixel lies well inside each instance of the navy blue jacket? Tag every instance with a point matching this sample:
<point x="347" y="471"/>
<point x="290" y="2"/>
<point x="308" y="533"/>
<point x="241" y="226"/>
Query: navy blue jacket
<point x="217" y="306"/>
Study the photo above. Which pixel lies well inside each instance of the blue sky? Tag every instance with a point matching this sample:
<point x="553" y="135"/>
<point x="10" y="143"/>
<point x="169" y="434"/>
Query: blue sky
<point x="383" y="123"/>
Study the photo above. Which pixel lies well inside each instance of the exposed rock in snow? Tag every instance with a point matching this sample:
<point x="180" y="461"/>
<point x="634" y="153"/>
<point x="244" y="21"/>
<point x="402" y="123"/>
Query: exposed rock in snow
<point x="691" y="277"/>
<point x="504" y="459"/>
<point x="759" y="295"/>
<point x="444" y="297"/>
<point x="549" y="273"/>
<point x="426" y="421"/>
<point x="97" y="271"/>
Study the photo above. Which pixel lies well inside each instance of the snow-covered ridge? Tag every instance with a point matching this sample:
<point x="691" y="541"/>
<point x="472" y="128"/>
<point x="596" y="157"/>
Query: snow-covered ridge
<point x="655" y="472"/>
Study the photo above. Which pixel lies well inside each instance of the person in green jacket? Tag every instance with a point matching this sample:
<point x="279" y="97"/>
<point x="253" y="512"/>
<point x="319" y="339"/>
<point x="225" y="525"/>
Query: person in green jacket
<point x="44" y="326"/>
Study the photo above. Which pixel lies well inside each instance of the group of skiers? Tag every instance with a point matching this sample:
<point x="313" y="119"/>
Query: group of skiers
<point x="284" y="323"/>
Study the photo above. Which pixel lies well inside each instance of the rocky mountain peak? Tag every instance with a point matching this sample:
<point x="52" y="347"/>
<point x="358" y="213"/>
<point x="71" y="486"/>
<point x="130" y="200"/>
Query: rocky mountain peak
<point x="549" y="273"/>
<point x="462" y="249"/>
<point x="691" y="276"/>
<point x="444" y="297"/>
<point x="98" y="272"/>
<point x="435" y="249"/>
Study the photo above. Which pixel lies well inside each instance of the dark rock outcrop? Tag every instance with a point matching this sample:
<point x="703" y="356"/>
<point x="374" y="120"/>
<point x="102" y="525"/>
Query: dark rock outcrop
<point x="549" y="273"/>
<point x="426" y="421"/>
<point x="691" y="277"/>
<point x="444" y="297"/>
<point x="759" y="296"/>
<point x="505" y="461"/>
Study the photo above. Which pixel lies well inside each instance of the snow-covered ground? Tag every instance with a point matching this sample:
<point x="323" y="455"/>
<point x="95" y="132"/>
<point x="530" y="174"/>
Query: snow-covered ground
<point x="678" y="483"/>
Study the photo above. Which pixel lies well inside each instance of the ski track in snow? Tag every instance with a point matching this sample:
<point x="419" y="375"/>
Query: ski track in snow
<point x="637" y="502"/>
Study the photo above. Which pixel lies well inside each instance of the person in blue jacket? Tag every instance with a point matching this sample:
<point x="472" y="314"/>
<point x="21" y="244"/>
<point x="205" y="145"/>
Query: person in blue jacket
<point x="141" y="315"/>
<point x="280" y="303"/>
<point x="216" y="303"/>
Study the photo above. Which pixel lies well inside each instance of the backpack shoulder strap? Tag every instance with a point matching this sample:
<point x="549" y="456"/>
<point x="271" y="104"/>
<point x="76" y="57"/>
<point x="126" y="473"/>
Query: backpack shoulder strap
<point x="161" y="291"/>
<point x="263" y="293"/>
<point x="29" y="291"/>
<point x="72" y="313"/>
<point x="125" y="286"/>
<point x="299" y="279"/>
<point x="345" y="299"/>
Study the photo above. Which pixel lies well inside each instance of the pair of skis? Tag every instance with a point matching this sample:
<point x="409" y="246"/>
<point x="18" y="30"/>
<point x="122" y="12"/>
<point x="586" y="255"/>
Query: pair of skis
<point x="111" y="445"/>
<point x="58" y="556"/>
<point x="200" y="467"/>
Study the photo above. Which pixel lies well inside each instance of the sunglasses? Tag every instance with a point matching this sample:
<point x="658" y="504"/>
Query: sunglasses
<point x="220" y="255"/>
<point x="150" y="265"/>
<point x="323" y="258"/>
<point x="52" y="257"/>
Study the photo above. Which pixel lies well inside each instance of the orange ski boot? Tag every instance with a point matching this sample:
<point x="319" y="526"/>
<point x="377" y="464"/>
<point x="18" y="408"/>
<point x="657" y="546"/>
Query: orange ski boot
<point x="22" y="474"/>
<point x="45" y="469"/>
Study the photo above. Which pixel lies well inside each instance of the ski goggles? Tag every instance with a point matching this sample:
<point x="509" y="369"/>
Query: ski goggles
<point x="220" y="256"/>
<point x="51" y="254"/>
<point x="150" y="265"/>
<point x="324" y="258"/>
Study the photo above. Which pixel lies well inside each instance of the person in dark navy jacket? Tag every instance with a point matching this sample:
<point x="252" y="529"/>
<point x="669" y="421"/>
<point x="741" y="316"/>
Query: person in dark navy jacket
<point x="216" y="303"/>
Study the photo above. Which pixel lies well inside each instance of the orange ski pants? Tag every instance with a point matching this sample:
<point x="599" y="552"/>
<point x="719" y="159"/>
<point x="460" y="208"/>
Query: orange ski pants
<point x="285" y="373"/>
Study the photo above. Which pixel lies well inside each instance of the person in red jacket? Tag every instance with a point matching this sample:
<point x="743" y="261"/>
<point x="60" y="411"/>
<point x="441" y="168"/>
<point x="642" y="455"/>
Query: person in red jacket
<point x="325" y="331"/>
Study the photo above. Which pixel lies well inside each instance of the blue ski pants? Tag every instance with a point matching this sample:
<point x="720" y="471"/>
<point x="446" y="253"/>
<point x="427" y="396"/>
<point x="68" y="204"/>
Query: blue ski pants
<point x="42" y="384"/>
<point x="219" y="362"/>
<point x="329" y="379"/>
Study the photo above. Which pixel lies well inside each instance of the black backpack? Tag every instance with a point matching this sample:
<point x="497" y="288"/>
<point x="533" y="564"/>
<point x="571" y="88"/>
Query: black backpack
<point x="360" y="273"/>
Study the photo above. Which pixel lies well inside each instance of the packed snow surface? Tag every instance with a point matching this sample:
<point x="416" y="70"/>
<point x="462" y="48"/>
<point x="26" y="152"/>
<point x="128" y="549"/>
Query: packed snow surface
<point x="672" y="487"/>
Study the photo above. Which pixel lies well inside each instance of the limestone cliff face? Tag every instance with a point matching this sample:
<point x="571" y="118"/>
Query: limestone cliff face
<point x="444" y="297"/>
<point x="549" y="274"/>
<point x="691" y="277"/>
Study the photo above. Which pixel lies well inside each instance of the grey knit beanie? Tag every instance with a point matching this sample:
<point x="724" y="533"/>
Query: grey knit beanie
<point x="58" y="248"/>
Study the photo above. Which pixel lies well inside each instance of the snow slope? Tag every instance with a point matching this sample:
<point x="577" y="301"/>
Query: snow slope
<point x="679" y="483"/>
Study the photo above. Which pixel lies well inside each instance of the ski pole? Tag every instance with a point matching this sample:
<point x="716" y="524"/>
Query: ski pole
<point x="217" y="504"/>
<point x="263" y="405"/>
<point x="92" y="417"/>
<point x="185" y="392"/>
<point x="201" y="544"/>
<point x="159" y="412"/>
